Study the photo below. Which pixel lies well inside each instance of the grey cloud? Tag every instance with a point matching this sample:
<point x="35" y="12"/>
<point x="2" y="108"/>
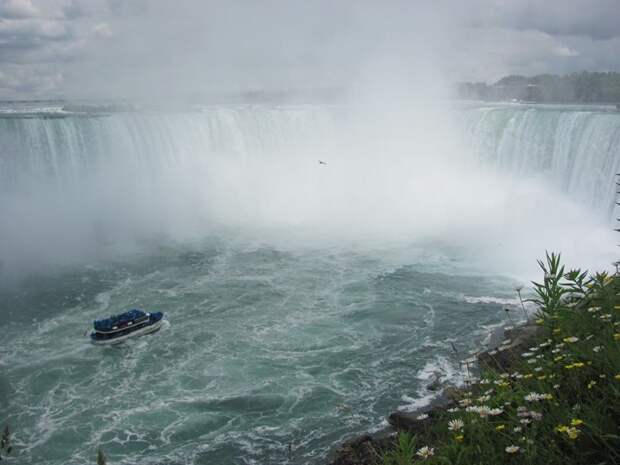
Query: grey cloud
<point x="597" y="19"/>
<point x="44" y="29"/>
<point x="128" y="7"/>
<point x="35" y="81"/>
<point x="104" y="48"/>
<point x="17" y="9"/>
<point x="74" y="10"/>
<point x="21" y="36"/>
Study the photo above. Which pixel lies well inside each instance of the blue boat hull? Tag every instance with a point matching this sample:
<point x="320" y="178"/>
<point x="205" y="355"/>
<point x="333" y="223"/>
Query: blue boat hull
<point x="155" y="322"/>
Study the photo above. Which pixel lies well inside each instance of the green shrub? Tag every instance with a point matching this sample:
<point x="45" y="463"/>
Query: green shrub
<point x="560" y="401"/>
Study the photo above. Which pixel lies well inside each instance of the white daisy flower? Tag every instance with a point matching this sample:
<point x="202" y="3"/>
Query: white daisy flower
<point x="456" y="425"/>
<point x="535" y="397"/>
<point x="425" y="452"/>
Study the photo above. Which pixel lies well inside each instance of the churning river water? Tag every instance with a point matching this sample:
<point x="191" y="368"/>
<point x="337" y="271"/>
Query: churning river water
<point x="277" y="348"/>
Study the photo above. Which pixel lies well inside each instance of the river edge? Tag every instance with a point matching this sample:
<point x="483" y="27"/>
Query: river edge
<point x="505" y="346"/>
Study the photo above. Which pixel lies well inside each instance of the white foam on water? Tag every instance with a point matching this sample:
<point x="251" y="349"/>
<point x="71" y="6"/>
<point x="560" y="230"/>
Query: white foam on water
<point x="440" y="369"/>
<point x="103" y="299"/>
<point x="491" y="300"/>
<point x="416" y="403"/>
<point x="487" y="330"/>
<point x="429" y="318"/>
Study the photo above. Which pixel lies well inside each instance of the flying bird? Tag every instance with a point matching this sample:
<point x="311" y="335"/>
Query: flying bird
<point x="321" y="162"/>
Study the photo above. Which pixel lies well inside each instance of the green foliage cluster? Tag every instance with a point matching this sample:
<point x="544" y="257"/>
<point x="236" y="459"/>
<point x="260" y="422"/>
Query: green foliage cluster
<point x="404" y="453"/>
<point x="558" y="403"/>
<point x="583" y="87"/>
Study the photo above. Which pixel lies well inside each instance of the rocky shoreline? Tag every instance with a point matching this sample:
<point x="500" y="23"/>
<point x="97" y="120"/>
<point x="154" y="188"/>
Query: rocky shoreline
<point x="505" y="347"/>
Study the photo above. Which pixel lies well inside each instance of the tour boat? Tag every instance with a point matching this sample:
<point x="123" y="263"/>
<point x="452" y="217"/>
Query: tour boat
<point x="118" y="328"/>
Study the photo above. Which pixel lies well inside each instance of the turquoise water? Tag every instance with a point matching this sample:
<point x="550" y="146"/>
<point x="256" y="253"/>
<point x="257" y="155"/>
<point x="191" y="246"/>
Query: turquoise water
<point x="265" y="348"/>
<point x="305" y="302"/>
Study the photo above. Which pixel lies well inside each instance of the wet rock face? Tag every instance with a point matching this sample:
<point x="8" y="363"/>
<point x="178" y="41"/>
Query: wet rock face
<point x="503" y="357"/>
<point x="411" y="422"/>
<point x="403" y="421"/>
<point x="363" y="450"/>
<point x="435" y="383"/>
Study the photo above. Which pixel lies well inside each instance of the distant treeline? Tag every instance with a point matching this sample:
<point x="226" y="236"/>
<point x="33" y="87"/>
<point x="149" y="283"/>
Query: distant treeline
<point x="584" y="87"/>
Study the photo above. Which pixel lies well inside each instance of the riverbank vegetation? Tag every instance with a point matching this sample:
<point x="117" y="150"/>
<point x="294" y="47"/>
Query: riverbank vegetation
<point x="557" y="403"/>
<point x="583" y="87"/>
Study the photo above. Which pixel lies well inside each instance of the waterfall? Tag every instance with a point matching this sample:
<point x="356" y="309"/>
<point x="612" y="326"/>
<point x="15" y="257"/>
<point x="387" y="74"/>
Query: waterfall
<point x="73" y="183"/>
<point x="578" y="150"/>
<point x="63" y="149"/>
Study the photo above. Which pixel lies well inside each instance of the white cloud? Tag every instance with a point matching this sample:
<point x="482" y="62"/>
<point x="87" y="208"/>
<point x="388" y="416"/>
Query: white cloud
<point x="102" y="29"/>
<point x="565" y="52"/>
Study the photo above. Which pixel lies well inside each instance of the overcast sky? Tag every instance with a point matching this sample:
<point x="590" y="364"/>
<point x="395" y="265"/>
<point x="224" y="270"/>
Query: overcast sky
<point x="154" y="48"/>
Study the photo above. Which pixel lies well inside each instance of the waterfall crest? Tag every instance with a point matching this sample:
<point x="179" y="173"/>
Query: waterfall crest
<point x="577" y="150"/>
<point x="71" y="184"/>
